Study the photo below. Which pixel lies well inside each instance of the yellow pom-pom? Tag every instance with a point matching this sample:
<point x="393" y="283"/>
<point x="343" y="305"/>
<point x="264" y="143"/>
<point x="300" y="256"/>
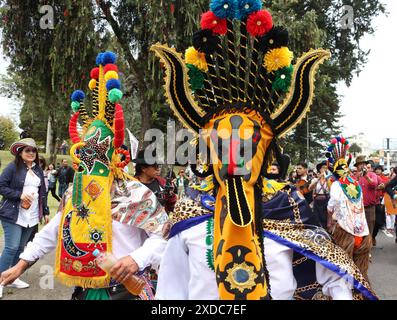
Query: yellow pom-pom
<point x="192" y="56"/>
<point x="111" y="75"/>
<point x="92" y="84"/>
<point x="278" y="58"/>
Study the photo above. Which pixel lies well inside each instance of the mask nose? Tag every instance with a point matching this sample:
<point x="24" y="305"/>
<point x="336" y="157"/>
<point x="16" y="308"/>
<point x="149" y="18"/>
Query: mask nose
<point x="235" y="163"/>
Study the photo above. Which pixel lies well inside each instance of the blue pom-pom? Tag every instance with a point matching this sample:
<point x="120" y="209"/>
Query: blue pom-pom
<point x="330" y="149"/>
<point x="78" y="96"/>
<point x="246" y="7"/>
<point x="99" y="59"/>
<point x="224" y="8"/>
<point x="113" y="84"/>
<point x="109" y="57"/>
<point x="339" y="139"/>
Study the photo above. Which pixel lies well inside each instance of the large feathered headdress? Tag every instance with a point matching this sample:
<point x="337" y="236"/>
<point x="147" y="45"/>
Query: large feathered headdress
<point x="239" y="60"/>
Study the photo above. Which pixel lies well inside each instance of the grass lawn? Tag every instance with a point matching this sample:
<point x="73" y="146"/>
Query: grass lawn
<point x="6" y="157"/>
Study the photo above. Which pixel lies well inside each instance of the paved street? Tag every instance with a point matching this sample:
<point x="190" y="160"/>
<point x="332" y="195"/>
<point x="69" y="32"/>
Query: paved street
<point x="382" y="272"/>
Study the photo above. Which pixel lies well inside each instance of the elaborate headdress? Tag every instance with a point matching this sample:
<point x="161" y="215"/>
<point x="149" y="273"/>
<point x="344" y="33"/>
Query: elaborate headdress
<point x="86" y="222"/>
<point x="337" y="155"/>
<point x="233" y="80"/>
<point x="339" y="160"/>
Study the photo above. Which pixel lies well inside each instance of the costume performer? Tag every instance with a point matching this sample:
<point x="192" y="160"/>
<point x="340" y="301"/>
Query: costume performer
<point x="230" y="87"/>
<point x="348" y="224"/>
<point x="105" y="209"/>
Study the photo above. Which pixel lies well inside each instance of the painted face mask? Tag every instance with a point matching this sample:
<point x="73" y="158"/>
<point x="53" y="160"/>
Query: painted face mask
<point x="237" y="90"/>
<point x="339" y="160"/>
<point x="86" y="222"/>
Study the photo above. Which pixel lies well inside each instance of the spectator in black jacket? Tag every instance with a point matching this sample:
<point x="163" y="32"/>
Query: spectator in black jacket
<point x="24" y="202"/>
<point x="65" y="177"/>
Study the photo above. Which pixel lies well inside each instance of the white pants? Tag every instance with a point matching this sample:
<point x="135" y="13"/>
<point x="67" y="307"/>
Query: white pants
<point x="390" y="220"/>
<point x="282" y="281"/>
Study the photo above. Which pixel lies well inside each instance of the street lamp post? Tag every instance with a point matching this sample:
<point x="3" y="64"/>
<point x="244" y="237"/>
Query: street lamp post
<point x="308" y="138"/>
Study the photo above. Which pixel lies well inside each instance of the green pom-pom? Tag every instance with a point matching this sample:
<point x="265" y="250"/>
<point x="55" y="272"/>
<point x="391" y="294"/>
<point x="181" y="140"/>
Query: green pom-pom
<point x="115" y="95"/>
<point x="283" y="79"/>
<point x="196" y="77"/>
<point x="75" y="106"/>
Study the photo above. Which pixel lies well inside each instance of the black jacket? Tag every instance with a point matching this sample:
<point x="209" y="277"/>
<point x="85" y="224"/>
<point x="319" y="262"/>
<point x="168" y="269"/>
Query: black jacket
<point x="391" y="186"/>
<point x="11" y="187"/>
<point x="65" y="175"/>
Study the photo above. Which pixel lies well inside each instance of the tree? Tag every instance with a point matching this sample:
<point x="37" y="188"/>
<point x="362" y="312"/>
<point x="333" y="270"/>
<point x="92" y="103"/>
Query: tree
<point x="47" y="63"/>
<point x="355" y="149"/>
<point x="316" y="23"/>
<point x="8" y="132"/>
<point x="139" y="24"/>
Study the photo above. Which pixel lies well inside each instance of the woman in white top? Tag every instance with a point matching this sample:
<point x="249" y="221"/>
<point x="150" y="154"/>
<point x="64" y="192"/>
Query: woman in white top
<point x="24" y="202"/>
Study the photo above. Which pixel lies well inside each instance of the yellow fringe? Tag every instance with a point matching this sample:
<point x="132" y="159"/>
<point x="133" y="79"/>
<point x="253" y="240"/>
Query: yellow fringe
<point x="85" y="283"/>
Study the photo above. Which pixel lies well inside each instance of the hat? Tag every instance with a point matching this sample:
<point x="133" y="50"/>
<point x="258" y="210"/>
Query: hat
<point x="140" y="159"/>
<point x="361" y="159"/>
<point x="318" y="166"/>
<point x="17" y="146"/>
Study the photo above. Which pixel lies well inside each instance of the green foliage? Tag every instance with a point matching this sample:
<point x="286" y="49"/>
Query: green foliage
<point x="355" y="149"/>
<point x="8" y="132"/>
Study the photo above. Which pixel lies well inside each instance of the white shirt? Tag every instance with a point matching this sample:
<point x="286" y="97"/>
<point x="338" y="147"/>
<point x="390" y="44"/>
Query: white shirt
<point x="127" y="240"/>
<point x="30" y="217"/>
<point x="350" y="216"/>
<point x="185" y="275"/>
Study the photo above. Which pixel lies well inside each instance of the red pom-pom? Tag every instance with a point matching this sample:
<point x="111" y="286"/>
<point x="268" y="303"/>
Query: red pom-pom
<point x="343" y="140"/>
<point x="94" y="73"/>
<point x="259" y="23"/>
<point x="118" y="126"/>
<point x="210" y="21"/>
<point x="334" y="141"/>
<point x="110" y="67"/>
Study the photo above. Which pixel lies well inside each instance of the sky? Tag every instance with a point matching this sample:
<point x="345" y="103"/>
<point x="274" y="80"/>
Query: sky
<point x="369" y="105"/>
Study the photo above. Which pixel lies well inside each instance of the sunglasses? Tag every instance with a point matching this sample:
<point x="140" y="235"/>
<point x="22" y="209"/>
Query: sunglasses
<point x="28" y="150"/>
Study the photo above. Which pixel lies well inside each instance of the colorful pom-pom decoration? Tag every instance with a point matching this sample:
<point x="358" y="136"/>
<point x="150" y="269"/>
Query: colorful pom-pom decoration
<point x="115" y="95"/>
<point x="224" y="8"/>
<point x="196" y="78"/>
<point x="278" y="58"/>
<point x="205" y="41"/>
<point x="196" y="58"/>
<point x="246" y="7"/>
<point x="211" y="22"/>
<point x="94" y="74"/>
<point x="259" y="23"/>
<point x="113" y="84"/>
<point x="277" y="37"/>
<point x="110" y="67"/>
<point x="92" y="84"/>
<point x="99" y="59"/>
<point x="78" y="96"/>
<point x="108" y="58"/>
<point x="111" y="75"/>
<point x="334" y="141"/>
<point x="75" y="106"/>
<point x="283" y="79"/>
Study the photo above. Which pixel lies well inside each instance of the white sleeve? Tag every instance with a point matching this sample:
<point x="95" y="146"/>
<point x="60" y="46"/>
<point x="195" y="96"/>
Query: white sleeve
<point x="150" y="253"/>
<point x="173" y="277"/>
<point x="334" y="196"/>
<point x="333" y="285"/>
<point x="44" y="241"/>
<point x="279" y="263"/>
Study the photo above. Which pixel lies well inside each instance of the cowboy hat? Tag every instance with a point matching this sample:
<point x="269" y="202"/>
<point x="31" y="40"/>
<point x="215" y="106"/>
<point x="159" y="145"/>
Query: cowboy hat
<point x="16" y="147"/>
<point x="361" y="159"/>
